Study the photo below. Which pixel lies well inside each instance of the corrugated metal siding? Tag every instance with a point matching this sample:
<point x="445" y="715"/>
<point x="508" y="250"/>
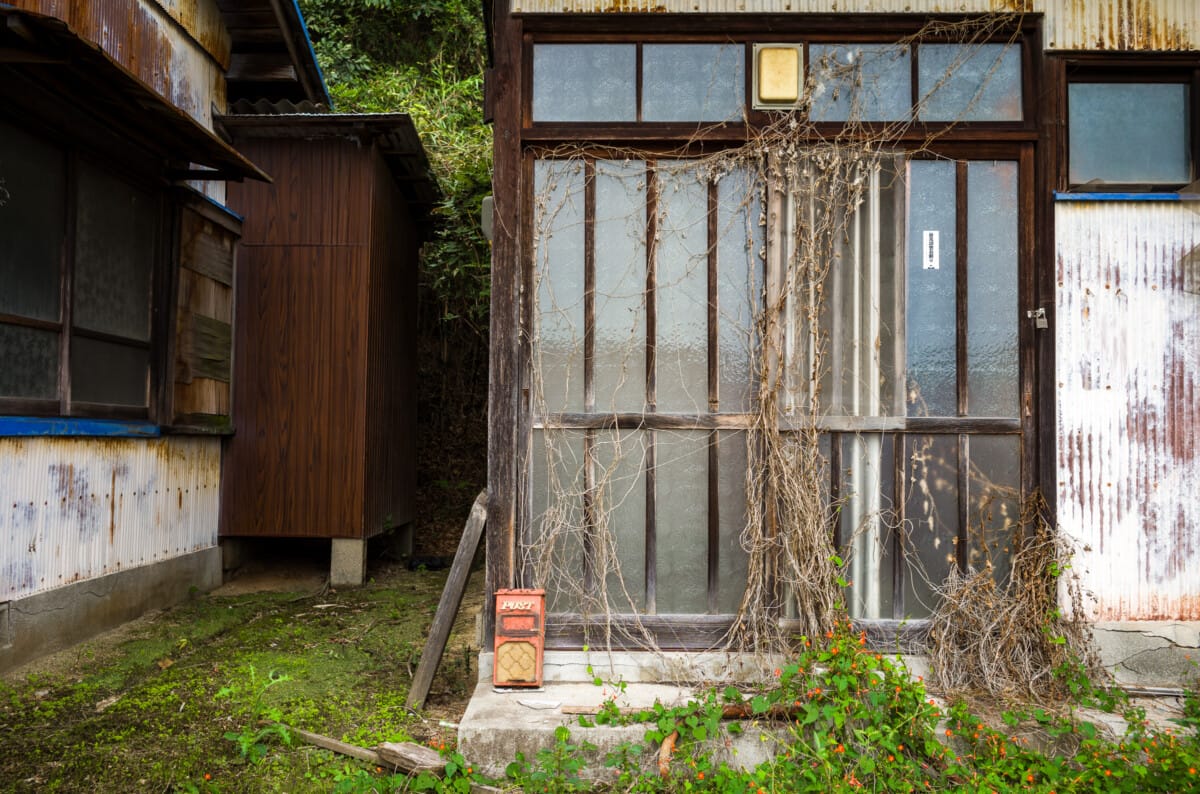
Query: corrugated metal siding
<point x="1128" y="353"/>
<point x="75" y="509"/>
<point x="151" y="43"/>
<point x="1069" y="24"/>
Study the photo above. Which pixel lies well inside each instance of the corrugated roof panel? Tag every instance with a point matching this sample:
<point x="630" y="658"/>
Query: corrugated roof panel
<point x="1128" y="358"/>
<point x="1069" y="24"/>
<point x="78" y="508"/>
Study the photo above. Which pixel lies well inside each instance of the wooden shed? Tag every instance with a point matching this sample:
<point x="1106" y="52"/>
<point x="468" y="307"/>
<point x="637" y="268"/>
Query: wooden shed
<point x="325" y="363"/>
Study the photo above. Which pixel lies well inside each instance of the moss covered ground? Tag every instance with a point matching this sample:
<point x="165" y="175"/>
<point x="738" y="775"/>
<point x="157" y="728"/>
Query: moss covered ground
<point x="176" y="701"/>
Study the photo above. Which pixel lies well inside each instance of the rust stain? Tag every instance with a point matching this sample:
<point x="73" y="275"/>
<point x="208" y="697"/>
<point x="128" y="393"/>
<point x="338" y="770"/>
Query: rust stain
<point x="112" y="508"/>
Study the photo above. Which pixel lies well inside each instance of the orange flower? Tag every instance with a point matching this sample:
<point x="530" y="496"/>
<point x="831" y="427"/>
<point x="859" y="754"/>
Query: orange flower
<point x="841" y="748"/>
<point x="891" y="757"/>
<point x="949" y="732"/>
<point x="207" y="776"/>
<point x="700" y="776"/>
<point x="778" y="672"/>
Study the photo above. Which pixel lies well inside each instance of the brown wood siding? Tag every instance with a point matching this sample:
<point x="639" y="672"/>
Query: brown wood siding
<point x="391" y="359"/>
<point x="321" y="194"/>
<point x="323" y="375"/>
<point x="294" y="466"/>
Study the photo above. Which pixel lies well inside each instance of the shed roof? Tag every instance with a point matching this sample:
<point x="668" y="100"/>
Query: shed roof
<point x="46" y="69"/>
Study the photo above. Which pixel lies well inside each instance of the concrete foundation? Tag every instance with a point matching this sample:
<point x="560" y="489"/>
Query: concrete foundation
<point x="500" y="723"/>
<point x="51" y="621"/>
<point x="1150" y="653"/>
<point x="347" y="562"/>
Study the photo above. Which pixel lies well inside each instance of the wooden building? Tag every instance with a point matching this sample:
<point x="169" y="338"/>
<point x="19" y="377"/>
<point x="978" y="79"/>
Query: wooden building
<point x="1009" y="306"/>
<point x="117" y="259"/>
<point x="325" y="375"/>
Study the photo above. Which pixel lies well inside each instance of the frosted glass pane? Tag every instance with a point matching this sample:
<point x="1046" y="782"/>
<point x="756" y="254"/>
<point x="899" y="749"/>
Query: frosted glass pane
<point x="862" y="292"/>
<point x="930" y="316"/>
<point x="682" y="289"/>
<point x="969" y="82"/>
<point x="619" y="366"/>
<point x="740" y="274"/>
<point x="992" y="289"/>
<point x="102" y="372"/>
<point x="557" y="527"/>
<point x="861" y="82"/>
<point x="30" y="368"/>
<point x="585" y="82"/>
<point x="32" y="220"/>
<point x="681" y="501"/>
<point x="116" y="239"/>
<point x="931" y="513"/>
<point x="868" y="520"/>
<point x="620" y="493"/>
<point x="732" y="559"/>
<point x="693" y="82"/>
<point x="558" y="275"/>
<point x="995" y="502"/>
<point x="1129" y="133"/>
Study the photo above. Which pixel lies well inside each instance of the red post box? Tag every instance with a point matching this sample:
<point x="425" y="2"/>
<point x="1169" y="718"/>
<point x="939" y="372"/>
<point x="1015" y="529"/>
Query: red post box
<point x="520" y="638"/>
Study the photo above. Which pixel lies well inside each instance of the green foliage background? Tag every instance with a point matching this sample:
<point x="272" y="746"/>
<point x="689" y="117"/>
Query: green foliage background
<point x="424" y="58"/>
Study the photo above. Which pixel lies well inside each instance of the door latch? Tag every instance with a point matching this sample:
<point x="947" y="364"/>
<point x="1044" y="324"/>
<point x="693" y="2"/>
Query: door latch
<point x="1039" y="317"/>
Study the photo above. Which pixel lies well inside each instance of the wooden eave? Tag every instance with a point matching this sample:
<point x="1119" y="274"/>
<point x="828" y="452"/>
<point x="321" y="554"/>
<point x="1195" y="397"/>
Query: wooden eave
<point x="271" y="55"/>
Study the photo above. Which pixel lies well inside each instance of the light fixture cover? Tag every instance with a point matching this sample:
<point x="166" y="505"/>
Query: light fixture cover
<point x="778" y="70"/>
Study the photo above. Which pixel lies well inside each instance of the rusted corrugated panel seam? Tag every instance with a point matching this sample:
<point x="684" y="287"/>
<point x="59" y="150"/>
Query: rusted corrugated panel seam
<point x="1128" y="357"/>
<point x="74" y="509"/>
<point x="1069" y="24"/>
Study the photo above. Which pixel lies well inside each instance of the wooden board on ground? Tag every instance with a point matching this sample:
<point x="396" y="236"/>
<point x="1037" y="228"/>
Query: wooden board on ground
<point x="451" y="600"/>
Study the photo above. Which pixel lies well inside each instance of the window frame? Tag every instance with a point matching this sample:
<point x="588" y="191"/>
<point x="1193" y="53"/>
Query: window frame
<point x="1108" y="68"/>
<point x="745" y="30"/>
<point x="75" y="155"/>
<point x="1017" y="140"/>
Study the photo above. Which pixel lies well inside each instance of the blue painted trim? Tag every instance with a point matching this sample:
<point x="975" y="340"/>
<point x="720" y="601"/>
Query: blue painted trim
<point x="312" y="53"/>
<point x="61" y="426"/>
<point x="1127" y="196"/>
<point x="218" y="205"/>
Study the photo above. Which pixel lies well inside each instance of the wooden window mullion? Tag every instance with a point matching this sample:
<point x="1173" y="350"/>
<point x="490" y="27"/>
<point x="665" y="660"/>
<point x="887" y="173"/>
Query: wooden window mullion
<point x="651" y="550"/>
<point x="66" y="313"/>
<point x="899" y="572"/>
<point x="714" y="503"/>
<point x="590" y="521"/>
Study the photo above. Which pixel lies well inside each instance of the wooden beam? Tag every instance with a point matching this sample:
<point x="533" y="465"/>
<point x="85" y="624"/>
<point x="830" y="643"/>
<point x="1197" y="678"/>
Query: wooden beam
<point x="261" y="67"/>
<point x="448" y="606"/>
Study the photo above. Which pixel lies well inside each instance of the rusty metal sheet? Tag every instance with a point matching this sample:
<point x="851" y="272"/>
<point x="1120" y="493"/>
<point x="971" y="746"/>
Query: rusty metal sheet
<point x="203" y="22"/>
<point x="1128" y="358"/>
<point x="78" y="508"/>
<point x="142" y="37"/>
<point x="1069" y="24"/>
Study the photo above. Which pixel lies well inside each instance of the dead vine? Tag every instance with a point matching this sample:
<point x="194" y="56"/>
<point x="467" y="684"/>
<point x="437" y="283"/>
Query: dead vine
<point x="1009" y="638"/>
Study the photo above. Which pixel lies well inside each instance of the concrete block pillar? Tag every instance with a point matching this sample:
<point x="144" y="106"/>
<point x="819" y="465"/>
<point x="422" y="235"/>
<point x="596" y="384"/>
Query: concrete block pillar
<point x="347" y="562"/>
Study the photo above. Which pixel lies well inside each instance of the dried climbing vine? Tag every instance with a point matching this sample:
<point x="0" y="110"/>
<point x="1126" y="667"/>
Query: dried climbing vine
<point x="796" y="219"/>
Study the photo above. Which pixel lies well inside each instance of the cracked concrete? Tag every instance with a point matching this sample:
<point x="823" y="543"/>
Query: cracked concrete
<point x="1150" y="653"/>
